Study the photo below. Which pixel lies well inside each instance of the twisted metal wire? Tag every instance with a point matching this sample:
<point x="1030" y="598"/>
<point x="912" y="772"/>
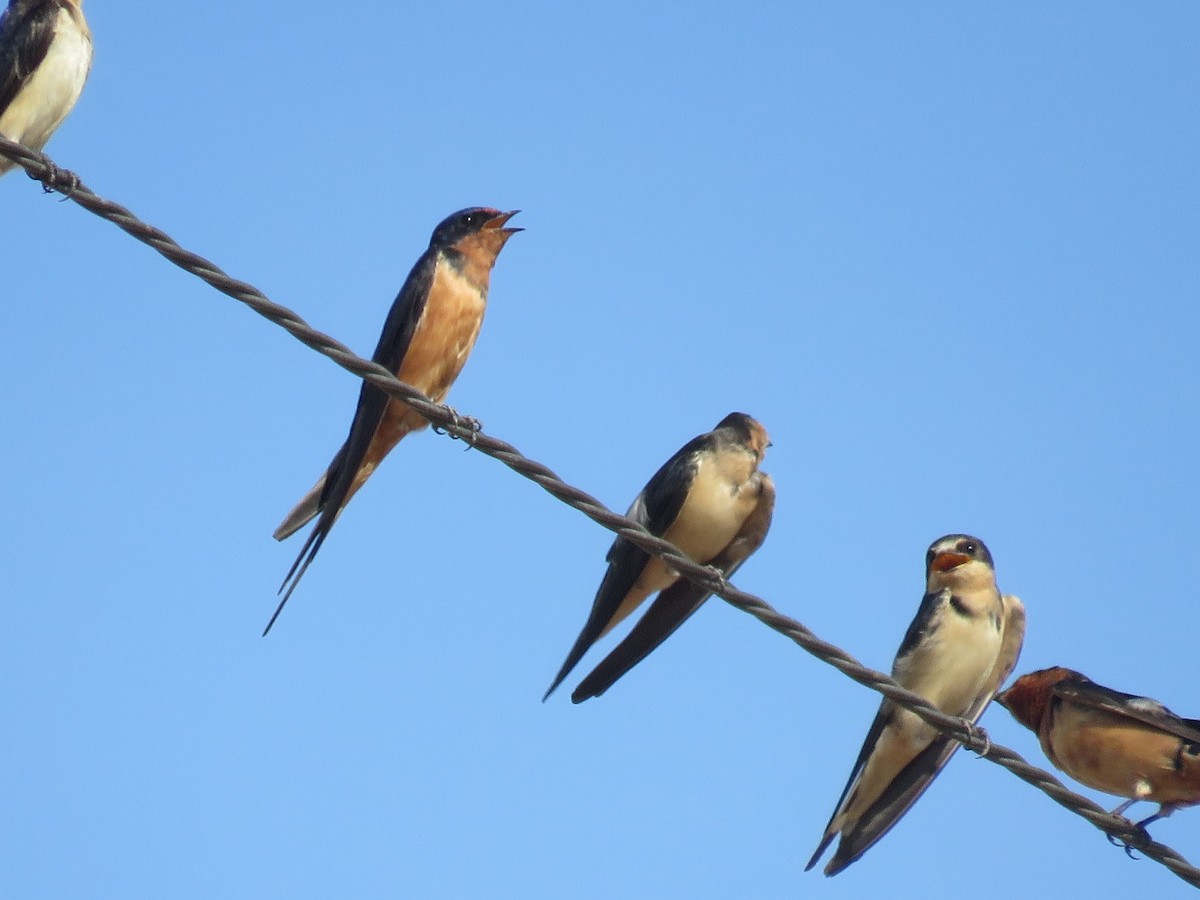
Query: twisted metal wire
<point x="465" y="428"/>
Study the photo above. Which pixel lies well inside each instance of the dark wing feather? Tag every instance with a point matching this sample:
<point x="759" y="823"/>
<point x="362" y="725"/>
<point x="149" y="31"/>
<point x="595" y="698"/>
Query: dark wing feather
<point x="881" y="721"/>
<point x="398" y="330"/>
<point x="1129" y="706"/>
<point x="24" y="41"/>
<point x="655" y="509"/>
<point x="917" y="629"/>
<point x="25" y="38"/>
<point x="922" y="622"/>
<point x="881" y="816"/>
<point x="676" y="604"/>
<point x="665" y="492"/>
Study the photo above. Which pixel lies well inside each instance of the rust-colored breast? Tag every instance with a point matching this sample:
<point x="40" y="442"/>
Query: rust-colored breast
<point x="440" y="346"/>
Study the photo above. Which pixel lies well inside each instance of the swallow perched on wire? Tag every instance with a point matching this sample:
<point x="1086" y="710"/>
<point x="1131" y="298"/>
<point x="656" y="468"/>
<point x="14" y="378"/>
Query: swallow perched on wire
<point x="426" y="339"/>
<point x="957" y="652"/>
<point x="1118" y="743"/>
<point x="45" y="57"/>
<point x="709" y="500"/>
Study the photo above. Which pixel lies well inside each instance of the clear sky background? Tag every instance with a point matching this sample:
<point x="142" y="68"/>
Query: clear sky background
<point x="947" y="255"/>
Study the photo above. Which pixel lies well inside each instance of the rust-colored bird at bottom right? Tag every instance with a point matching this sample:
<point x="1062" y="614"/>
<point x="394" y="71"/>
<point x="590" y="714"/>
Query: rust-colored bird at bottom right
<point x="1118" y="743"/>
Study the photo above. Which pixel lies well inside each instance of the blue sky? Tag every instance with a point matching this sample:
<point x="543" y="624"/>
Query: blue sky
<point x="947" y="254"/>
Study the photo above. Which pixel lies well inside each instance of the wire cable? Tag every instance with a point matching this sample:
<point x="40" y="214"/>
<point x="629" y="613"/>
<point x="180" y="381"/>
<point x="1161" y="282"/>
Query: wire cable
<point x="446" y="419"/>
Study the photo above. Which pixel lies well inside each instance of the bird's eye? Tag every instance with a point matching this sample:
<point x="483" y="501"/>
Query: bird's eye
<point x="968" y="547"/>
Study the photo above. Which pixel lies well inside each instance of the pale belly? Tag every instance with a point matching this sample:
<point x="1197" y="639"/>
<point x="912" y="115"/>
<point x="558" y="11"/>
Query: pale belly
<point x="713" y="514"/>
<point x="42" y="104"/>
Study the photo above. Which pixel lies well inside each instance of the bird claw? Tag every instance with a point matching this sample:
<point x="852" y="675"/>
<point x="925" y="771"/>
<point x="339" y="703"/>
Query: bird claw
<point x="52" y="174"/>
<point x="980" y="735"/>
<point x="469" y="424"/>
<point x="718" y="576"/>
<point x="1117" y="842"/>
<point x="1143" y="837"/>
<point x="45" y="179"/>
<point x="1128" y="848"/>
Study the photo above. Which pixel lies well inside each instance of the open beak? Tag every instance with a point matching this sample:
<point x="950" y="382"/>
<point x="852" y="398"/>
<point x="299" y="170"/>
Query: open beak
<point x="496" y="222"/>
<point x="944" y="562"/>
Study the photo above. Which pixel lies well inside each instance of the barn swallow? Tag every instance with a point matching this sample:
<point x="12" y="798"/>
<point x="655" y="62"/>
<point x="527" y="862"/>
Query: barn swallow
<point x="427" y="336"/>
<point x="957" y="652"/>
<point x="45" y="57"/>
<point x="711" y="502"/>
<point x="1117" y="743"/>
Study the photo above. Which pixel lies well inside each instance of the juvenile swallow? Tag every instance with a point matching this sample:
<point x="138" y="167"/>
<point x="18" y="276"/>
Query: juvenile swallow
<point x="45" y="57"/>
<point x="427" y="336"/>
<point x="709" y="500"/>
<point x="957" y="652"/>
<point x="1118" y="743"/>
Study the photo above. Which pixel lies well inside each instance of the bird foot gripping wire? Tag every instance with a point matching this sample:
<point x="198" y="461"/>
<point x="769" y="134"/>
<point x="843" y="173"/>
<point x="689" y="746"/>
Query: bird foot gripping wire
<point x="1143" y="836"/>
<point x="718" y="578"/>
<point x="469" y="424"/>
<point x="980" y="736"/>
<point x="46" y="177"/>
<point x="52" y="174"/>
<point x="1138" y="828"/>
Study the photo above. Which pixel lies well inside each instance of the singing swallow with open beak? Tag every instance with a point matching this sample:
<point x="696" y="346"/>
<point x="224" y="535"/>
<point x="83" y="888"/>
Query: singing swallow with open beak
<point x="711" y="501"/>
<point x="427" y="336"/>
<point x="957" y="652"/>
<point x="45" y="58"/>
<point x="1118" y="743"/>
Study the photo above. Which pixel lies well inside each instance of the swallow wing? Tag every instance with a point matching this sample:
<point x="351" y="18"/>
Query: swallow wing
<point x="913" y="778"/>
<point x="923" y="623"/>
<point x="1087" y="693"/>
<point x="896" y="800"/>
<point x="882" y="719"/>
<point x="398" y="330"/>
<point x="676" y="604"/>
<point x="1011" y="643"/>
<point x="24" y="42"/>
<point x="655" y="509"/>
